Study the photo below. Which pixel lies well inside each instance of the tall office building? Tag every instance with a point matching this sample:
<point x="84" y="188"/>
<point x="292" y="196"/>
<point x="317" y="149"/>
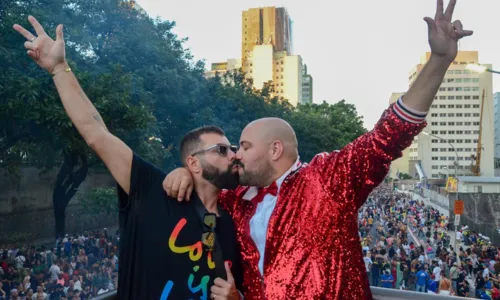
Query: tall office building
<point x="265" y="26"/>
<point x="267" y="52"/>
<point x="283" y="70"/>
<point x="496" y="111"/>
<point x="454" y="122"/>
<point x="307" y="86"/>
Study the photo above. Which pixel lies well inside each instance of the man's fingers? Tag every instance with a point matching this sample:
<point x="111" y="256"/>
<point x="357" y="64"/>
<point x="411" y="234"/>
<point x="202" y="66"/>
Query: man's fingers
<point x="167" y="185"/>
<point x="466" y="33"/>
<point x="230" y="278"/>
<point x="457" y="25"/>
<point x="27" y="35"/>
<point x="175" y="187"/>
<point x="221" y="283"/>
<point x="449" y="10"/>
<point x="439" y="9"/>
<point x="189" y="191"/>
<point x="30" y="46"/>
<point x="33" y="55"/>
<point x="182" y="190"/>
<point x="459" y="30"/>
<point x="59" y="33"/>
<point x="38" y="28"/>
<point x="431" y="25"/>
<point x="215" y="290"/>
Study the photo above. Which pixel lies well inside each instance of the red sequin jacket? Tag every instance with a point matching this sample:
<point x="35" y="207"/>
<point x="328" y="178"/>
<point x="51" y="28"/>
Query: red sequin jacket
<point x="312" y="246"/>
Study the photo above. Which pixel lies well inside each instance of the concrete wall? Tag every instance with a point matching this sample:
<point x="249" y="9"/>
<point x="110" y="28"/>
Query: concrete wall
<point x="481" y="213"/>
<point x="26" y="204"/>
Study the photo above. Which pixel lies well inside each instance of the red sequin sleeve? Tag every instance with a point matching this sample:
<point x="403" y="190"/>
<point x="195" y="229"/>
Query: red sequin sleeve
<point x="353" y="172"/>
<point x="227" y="200"/>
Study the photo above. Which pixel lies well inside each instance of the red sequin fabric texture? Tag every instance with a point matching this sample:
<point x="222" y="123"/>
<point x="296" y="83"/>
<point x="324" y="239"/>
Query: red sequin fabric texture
<point x="313" y="249"/>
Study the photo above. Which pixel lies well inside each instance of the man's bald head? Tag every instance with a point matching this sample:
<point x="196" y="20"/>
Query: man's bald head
<point x="275" y="129"/>
<point x="268" y="149"/>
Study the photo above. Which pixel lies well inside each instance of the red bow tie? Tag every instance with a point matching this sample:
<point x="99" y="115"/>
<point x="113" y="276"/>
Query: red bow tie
<point x="272" y="189"/>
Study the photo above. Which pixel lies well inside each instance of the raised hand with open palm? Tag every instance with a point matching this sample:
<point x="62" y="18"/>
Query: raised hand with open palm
<point x="443" y="33"/>
<point x="46" y="52"/>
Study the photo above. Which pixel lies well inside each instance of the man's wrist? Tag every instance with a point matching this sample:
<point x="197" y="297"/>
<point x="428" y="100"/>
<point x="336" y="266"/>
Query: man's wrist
<point x="59" y="68"/>
<point x="439" y="61"/>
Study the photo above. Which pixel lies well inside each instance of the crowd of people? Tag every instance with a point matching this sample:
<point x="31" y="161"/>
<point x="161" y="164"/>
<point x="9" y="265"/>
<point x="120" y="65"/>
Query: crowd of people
<point x="407" y="246"/>
<point x="79" y="267"/>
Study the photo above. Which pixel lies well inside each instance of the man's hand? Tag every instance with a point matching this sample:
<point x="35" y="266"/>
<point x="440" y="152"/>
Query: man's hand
<point x="179" y="184"/>
<point x="46" y="52"/>
<point x="443" y="33"/>
<point x="225" y="289"/>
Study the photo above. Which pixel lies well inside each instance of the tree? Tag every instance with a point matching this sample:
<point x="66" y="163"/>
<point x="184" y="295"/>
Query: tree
<point x="404" y="176"/>
<point x="99" y="201"/>
<point x="34" y="127"/>
<point x="325" y="127"/>
<point x="146" y="86"/>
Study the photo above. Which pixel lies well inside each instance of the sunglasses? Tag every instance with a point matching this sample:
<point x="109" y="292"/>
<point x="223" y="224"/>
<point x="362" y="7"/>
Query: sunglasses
<point x="221" y="149"/>
<point x="208" y="238"/>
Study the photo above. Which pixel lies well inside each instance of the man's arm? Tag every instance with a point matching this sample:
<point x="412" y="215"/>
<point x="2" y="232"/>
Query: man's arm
<point x="362" y="165"/>
<point x="115" y="153"/>
<point x="50" y="55"/>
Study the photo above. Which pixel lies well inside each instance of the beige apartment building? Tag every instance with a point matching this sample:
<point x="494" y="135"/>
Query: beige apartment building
<point x="266" y="25"/>
<point x="267" y="55"/>
<point x="448" y="143"/>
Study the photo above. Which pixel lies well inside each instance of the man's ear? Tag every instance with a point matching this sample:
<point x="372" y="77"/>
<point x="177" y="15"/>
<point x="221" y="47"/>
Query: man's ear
<point x="276" y="150"/>
<point x="193" y="164"/>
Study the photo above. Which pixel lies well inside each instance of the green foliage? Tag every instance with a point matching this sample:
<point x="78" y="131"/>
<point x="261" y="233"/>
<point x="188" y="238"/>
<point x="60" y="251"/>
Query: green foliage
<point x="404" y="176"/>
<point x="145" y="85"/>
<point x="99" y="201"/>
<point x="325" y="127"/>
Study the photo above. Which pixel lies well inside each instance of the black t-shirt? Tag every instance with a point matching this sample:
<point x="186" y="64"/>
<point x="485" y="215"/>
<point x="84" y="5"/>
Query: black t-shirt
<point x="161" y="254"/>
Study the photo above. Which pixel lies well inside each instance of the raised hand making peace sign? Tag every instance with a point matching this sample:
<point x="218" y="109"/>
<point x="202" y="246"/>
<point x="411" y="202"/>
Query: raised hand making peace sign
<point x="46" y="52"/>
<point x="443" y="33"/>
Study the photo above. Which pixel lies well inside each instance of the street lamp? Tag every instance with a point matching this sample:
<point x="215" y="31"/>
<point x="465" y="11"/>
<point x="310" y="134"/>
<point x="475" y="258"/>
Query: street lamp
<point x="480" y="69"/>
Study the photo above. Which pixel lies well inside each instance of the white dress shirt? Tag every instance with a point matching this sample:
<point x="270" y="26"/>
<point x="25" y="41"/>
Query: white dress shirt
<point x="260" y="220"/>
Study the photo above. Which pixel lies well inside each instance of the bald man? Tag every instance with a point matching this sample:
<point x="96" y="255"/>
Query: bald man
<point x="297" y="223"/>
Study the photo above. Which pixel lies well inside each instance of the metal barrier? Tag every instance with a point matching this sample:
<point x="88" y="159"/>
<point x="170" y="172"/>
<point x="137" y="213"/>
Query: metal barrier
<point x="378" y="294"/>
<point x="393" y="294"/>
<point x="106" y="296"/>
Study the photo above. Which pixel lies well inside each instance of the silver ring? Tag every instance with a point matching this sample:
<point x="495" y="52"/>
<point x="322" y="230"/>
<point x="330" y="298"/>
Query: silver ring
<point x="33" y="39"/>
<point x="213" y="296"/>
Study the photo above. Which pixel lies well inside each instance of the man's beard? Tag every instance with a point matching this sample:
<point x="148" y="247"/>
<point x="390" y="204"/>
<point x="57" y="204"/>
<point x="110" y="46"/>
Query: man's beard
<point x="259" y="177"/>
<point x="228" y="179"/>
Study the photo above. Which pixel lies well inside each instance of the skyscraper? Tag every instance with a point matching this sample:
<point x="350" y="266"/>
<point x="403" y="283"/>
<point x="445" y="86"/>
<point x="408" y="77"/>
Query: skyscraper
<point x="452" y="135"/>
<point x="267" y="55"/>
<point x="307" y="86"/>
<point x="265" y="26"/>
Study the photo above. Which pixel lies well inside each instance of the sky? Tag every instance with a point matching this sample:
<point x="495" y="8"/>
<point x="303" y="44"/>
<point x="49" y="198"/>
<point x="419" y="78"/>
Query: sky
<point x="357" y="50"/>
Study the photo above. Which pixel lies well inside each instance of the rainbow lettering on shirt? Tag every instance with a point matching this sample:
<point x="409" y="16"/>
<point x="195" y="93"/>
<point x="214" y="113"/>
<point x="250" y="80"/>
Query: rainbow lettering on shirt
<point x="195" y="253"/>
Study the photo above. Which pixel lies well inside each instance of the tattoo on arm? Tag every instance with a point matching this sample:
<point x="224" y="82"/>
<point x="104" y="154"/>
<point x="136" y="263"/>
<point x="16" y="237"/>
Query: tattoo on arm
<point x="98" y="118"/>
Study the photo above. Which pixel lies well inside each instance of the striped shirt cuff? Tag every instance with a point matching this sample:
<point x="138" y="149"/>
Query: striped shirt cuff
<point x="408" y="114"/>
